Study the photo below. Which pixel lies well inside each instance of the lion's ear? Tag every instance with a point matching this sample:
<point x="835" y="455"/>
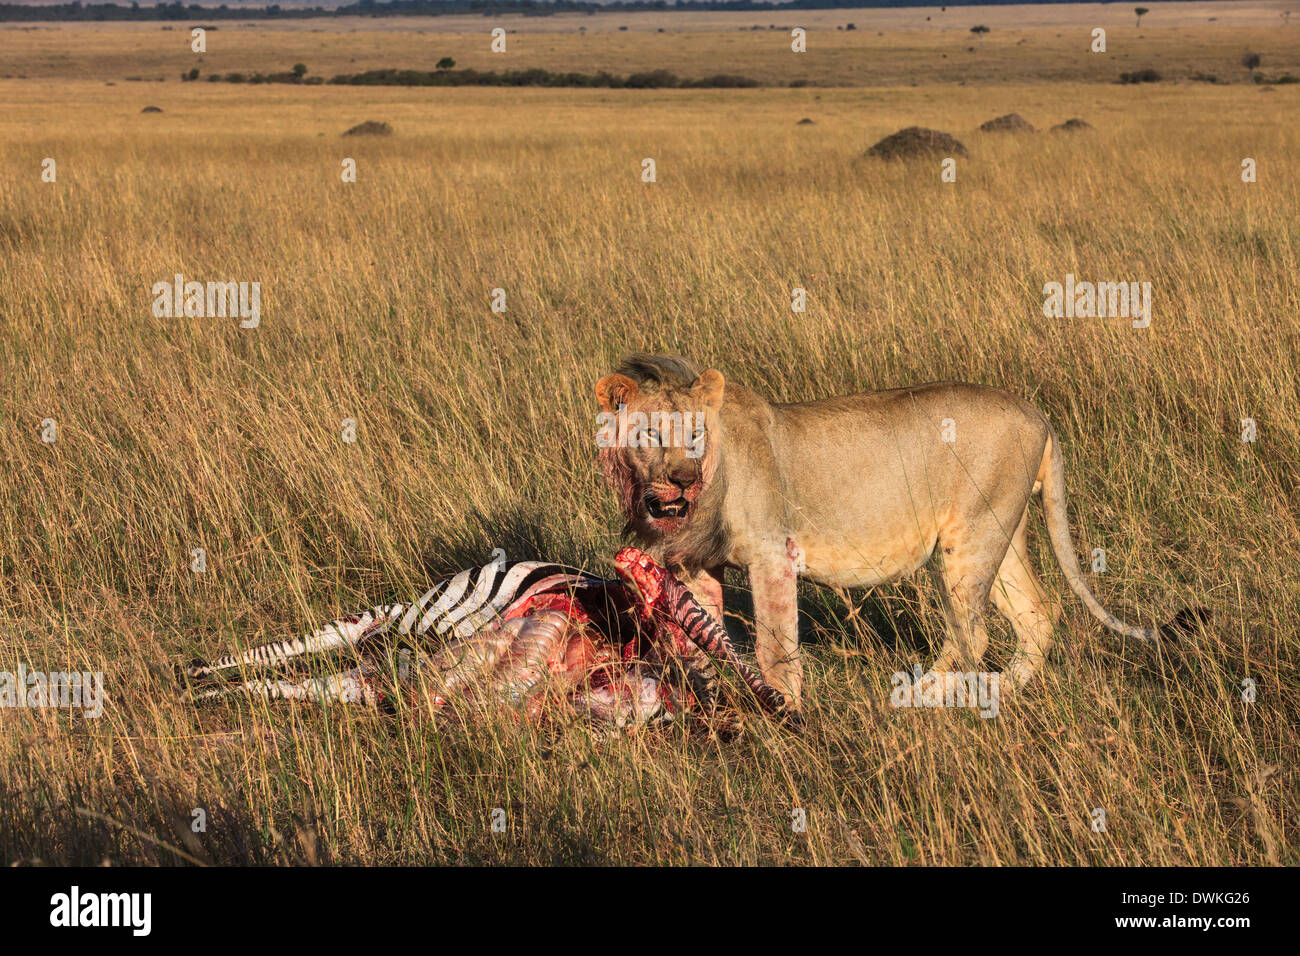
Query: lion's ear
<point x="615" y="390"/>
<point x="707" y="389"/>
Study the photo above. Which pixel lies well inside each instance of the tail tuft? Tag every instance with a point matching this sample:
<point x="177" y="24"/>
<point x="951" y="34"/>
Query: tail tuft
<point x="1185" y="623"/>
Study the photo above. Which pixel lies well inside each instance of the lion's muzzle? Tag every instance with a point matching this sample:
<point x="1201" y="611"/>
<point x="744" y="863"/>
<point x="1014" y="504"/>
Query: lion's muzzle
<point x="657" y="508"/>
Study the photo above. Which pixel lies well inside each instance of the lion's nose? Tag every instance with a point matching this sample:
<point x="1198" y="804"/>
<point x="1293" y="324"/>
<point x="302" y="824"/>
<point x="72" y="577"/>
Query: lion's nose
<point x="683" y="479"/>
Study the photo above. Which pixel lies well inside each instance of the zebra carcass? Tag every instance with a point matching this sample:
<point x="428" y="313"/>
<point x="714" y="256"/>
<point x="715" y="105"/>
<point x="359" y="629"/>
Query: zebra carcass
<point x="530" y="636"/>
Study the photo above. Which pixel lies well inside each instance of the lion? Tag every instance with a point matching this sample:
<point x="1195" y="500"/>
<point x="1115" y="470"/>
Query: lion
<point x="853" y="491"/>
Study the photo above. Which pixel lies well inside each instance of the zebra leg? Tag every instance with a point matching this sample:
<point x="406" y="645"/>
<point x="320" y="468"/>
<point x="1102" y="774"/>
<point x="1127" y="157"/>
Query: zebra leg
<point x="457" y="607"/>
<point x="354" y="686"/>
<point x="665" y="600"/>
<point x="701" y="679"/>
<point x="345" y="632"/>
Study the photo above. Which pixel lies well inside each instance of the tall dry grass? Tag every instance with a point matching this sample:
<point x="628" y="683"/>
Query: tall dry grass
<point x="475" y="431"/>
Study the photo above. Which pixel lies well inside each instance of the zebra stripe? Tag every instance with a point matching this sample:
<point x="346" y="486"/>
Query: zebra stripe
<point x="485" y="580"/>
<point x="461" y="604"/>
<point x="497" y="591"/>
<point x="704" y="632"/>
<point x="451" y="593"/>
<point x="543" y="577"/>
<point x="663" y="594"/>
<point x="345" y="632"/>
<point x="349" y="688"/>
<point x="503" y="593"/>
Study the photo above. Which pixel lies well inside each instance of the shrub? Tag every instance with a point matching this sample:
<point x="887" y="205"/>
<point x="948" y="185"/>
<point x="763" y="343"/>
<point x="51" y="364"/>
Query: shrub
<point x="370" y="128"/>
<point x="655" y="79"/>
<point x="719" y="81"/>
<point x="1140" y="76"/>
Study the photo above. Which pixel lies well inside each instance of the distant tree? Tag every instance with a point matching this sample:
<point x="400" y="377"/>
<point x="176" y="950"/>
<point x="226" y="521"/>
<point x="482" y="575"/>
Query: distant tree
<point x="979" y="32"/>
<point x="851" y="26"/>
<point x="1251" y="62"/>
<point x="300" y="70"/>
<point x="446" y="63"/>
<point x="1141" y="12"/>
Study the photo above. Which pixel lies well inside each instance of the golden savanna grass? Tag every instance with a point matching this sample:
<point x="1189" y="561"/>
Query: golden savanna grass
<point x="475" y="431"/>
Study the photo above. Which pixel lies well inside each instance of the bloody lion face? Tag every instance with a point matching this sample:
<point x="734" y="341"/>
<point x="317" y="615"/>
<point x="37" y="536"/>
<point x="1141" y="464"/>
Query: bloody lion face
<point x="654" y="446"/>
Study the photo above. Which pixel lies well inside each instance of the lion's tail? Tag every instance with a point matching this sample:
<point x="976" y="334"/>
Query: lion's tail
<point x="1052" y="478"/>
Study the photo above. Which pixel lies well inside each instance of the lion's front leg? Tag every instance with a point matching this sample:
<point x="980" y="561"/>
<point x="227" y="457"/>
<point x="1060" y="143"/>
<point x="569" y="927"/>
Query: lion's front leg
<point x="776" y="626"/>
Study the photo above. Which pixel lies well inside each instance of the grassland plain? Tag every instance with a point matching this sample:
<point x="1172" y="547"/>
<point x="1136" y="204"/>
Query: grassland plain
<point x="475" y="431"/>
<point x="887" y="48"/>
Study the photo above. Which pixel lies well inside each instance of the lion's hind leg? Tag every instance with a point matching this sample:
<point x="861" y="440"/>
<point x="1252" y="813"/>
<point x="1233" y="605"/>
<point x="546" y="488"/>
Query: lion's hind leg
<point x="1019" y="596"/>
<point x="965" y="565"/>
<point x="963" y="604"/>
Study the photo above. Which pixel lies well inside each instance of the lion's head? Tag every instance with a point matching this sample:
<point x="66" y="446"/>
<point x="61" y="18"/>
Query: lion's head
<point x="656" y="419"/>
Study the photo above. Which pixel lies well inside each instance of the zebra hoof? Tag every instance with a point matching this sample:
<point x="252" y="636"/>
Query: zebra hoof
<point x="792" y="720"/>
<point x="726" y="728"/>
<point x="196" y="669"/>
